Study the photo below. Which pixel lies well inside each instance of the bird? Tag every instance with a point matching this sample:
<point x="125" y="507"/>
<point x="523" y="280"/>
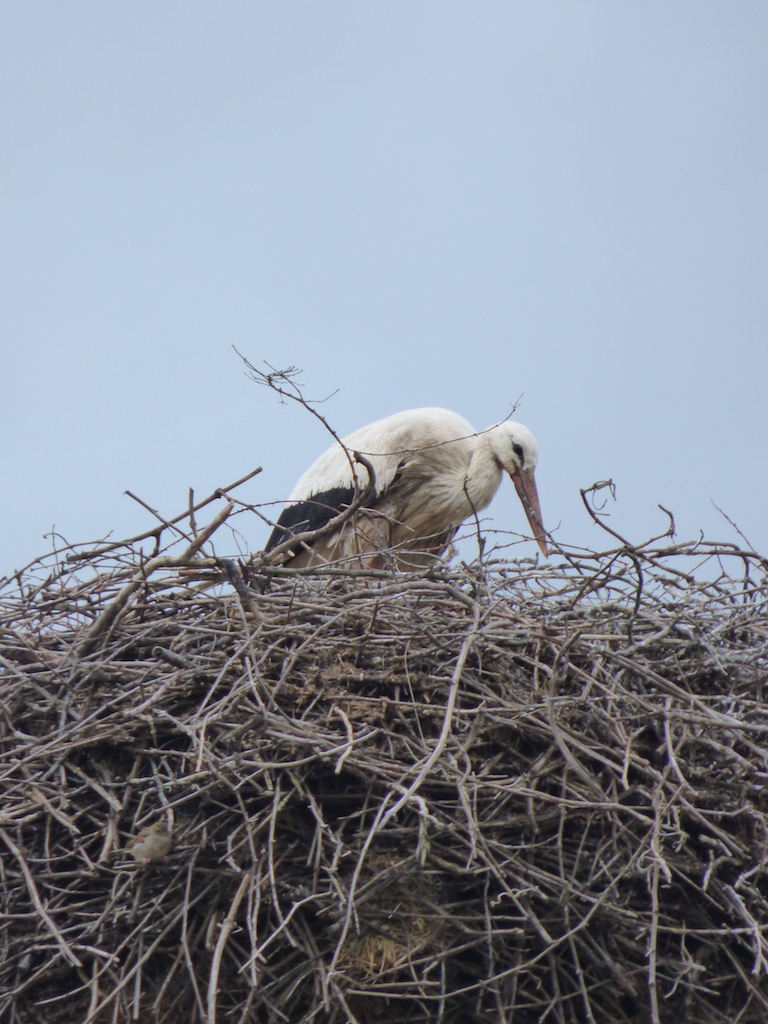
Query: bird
<point x="431" y="471"/>
<point x="151" y="843"/>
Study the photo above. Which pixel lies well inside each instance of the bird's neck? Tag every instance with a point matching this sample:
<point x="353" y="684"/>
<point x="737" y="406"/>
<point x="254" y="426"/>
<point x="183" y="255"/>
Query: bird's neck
<point x="483" y="475"/>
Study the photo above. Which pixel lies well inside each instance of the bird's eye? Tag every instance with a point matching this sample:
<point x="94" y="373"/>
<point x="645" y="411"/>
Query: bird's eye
<point x="518" y="450"/>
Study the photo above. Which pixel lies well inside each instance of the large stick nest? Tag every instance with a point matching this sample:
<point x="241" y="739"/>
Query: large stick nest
<point x="492" y="793"/>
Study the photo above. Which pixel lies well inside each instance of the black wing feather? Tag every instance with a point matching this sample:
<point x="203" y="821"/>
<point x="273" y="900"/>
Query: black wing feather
<point x="310" y="514"/>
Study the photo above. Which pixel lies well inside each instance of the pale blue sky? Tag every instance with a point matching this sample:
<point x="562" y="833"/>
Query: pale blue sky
<point x="420" y="203"/>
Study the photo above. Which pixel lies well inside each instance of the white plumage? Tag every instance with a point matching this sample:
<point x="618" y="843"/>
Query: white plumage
<point x="432" y="471"/>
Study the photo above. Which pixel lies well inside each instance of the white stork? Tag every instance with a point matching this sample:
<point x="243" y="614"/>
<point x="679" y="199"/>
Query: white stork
<point x="431" y="472"/>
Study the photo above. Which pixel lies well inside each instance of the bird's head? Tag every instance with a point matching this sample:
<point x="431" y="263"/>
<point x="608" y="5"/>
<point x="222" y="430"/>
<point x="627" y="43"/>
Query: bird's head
<point x="514" y="448"/>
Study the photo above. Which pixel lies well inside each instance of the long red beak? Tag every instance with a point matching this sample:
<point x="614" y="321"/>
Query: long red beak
<point x="525" y="485"/>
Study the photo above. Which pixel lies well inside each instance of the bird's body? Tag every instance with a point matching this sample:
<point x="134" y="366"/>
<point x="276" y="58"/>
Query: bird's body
<point x="151" y="843"/>
<point x="431" y="472"/>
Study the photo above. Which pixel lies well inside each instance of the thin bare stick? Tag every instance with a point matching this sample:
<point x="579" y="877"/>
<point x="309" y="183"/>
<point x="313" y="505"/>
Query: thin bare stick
<point x="113" y="609"/>
<point x="37" y="902"/>
<point x="104" y="549"/>
<point x="386" y="814"/>
<point x="224" y="932"/>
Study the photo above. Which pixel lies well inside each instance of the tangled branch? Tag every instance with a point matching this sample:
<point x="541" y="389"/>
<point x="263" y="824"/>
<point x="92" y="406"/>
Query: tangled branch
<point x="497" y="792"/>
